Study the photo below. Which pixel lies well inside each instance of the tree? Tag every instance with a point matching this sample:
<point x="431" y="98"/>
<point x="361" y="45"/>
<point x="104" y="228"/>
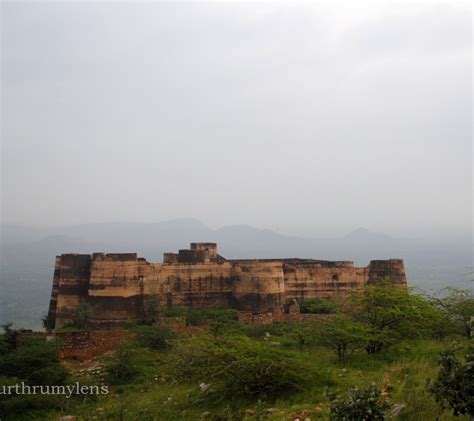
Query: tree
<point x="82" y="316"/>
<point x="48" y="322"/>
<point x="454" y="386"/>
<point x="152" y="307"/>
<point x="318" y="306"/>
<point x="458" y="306"/>
<point x="393" y="314"/>
<point x="359" y="405"/>
<point x="10" y="336"/>
<point x="342" y="335"/>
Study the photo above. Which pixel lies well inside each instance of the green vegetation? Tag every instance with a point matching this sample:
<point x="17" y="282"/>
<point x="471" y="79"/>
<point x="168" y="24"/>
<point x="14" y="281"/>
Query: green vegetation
<point x="237" y="366"/>
<point x="30" y="360"/>
<point x="195" y="317"/>
<point x="82" y="316"/>
<point x="153" y="337"/>
<point x="458" y="308"/>
<point x="454" y="386"/>
<point x="394" y="314"/>
<point x="342" y="335"/>
<point x="359" y="405"/>
<point x="379" y="356"/>
<point x="318" y="306"/>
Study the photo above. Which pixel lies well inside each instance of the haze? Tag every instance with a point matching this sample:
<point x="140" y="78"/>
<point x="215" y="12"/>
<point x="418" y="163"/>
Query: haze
<point x="306" y="118"/>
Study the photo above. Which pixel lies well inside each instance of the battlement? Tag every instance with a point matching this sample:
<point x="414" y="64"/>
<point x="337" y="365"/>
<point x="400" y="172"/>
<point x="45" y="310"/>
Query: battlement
<point x="197" y="253"/>
<point x="118" y="286"/>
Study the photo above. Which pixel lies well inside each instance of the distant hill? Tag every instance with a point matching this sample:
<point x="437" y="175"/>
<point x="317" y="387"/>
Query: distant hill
<point x="27" y="254"/>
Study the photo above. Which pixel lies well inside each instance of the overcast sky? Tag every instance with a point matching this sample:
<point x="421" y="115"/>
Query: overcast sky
<point x="301" y="117"/>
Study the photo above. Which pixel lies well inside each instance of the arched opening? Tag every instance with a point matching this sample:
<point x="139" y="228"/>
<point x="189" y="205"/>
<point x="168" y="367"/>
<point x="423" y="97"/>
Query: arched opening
<point x="335" y="277"/>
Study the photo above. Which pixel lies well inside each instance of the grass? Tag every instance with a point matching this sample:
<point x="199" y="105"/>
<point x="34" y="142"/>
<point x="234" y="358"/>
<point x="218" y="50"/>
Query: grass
<point x="157" y="393"/>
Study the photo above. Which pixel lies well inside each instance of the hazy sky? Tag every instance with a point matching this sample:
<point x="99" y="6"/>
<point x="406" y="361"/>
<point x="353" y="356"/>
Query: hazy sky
<point x="302" y="117"/>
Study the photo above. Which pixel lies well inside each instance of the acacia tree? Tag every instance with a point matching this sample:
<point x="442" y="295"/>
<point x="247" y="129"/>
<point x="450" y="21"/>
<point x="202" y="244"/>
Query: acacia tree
<point x="458" y="306"/>
<point x="342" y="335"/>
<point x="393" y="314"/>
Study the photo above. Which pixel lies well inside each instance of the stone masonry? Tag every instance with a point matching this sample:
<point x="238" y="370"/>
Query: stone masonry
<point x="120" y="287"/>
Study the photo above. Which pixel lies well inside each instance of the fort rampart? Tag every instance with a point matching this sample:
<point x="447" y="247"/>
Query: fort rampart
<point x="121" y="287"/>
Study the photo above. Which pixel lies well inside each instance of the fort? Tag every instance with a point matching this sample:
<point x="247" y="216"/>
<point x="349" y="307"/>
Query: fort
<point x="119" y="287"/>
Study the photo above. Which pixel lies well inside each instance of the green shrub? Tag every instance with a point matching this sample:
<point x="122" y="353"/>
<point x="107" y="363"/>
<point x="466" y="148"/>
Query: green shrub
<point x="454" y="386"/>
<point x="458" y="307"/>
<point x="153" y="337"/>
<point x="83" y="314"/>
<point x="197" y="316"/>
<point x="318" y="306"/>
<point x="237" y="366"/>
<point x="275" y="329"/>
<point x="34" y="361"/>
<point x="120" y="368"/>
<point x="359" y="405"/>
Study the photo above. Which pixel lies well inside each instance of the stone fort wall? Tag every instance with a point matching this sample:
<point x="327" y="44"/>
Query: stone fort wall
<point x="119" y="287"/>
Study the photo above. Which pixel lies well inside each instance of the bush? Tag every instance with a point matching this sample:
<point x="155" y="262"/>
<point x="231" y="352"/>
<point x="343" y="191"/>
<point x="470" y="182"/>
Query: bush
<point x="154" y="337"/>
<point x="275" y="329"/>
<point x="240" y="367"/>
<point x="318" y="306"/>
<point x="34" y="361"/>
<point x="195" y="316"/>
<point x="120" y="368"/>
<point x="83" y="313"/>
<point x="359" y="405"/>
<point x="454" y="386"/>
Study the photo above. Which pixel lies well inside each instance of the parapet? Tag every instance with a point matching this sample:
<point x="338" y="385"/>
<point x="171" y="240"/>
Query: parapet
<point x="197" y="253"/>
<point x="114" y="257"/>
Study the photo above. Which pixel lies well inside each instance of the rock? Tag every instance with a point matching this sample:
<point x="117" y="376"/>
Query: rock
<point x="204" y="386"/>
<point x="272" y="410"/>
<point x="68" y="418"/>
<point x="396" y="410"/>
<point x="249" y="412"/>
<point x="205" y="414"/>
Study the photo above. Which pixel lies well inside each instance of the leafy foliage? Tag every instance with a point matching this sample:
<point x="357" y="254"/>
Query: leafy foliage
<point x="120" y="368"/>
<point x="394" y="314"/>
<point x="10" y="336"/>
<point x="154" y="337"/>
<point x="151" y="307"/>
<point x="48" y="322"/>
<point x="195" y="317"/>
<point x="82" y="315"/>
<point x="240" y="367"/>
<point x="454" y="386"/>
<point x="342" y="335"/>
<point x="359" y="405"/>
<point x="34" y="361"/>
<point x="318" y="306"/>
<point x="458" y="306"/>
